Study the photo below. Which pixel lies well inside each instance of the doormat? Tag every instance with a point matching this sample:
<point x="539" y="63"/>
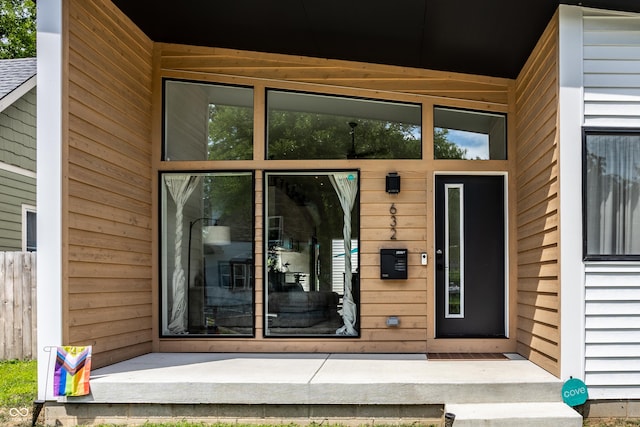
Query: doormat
<point x="466" y="356"/>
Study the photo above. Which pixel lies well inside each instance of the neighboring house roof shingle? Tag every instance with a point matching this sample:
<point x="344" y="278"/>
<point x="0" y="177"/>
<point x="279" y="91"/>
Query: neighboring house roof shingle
<point x="14" y="72"/>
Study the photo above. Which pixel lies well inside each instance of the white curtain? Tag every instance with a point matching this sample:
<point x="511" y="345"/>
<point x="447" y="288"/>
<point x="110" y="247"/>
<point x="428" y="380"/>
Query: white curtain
<point x="613" y="192"/>
<point x="346" y="186"/>
<point x="180" y="187"/>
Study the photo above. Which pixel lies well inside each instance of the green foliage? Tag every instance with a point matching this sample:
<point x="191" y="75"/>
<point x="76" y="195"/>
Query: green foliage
<point x="230" y="133"/>
<point x="445" y="149"/>
<point x="17" y="29"/>
<point x="300" y="135"/>
<point x="297" y="135"/>
<point x="230" y="200"/>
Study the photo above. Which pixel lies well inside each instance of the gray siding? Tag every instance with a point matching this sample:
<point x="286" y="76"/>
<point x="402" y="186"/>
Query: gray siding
<point x="18" y="133"/>
<point x="15" y="190"/>
<point x="17" y="149"/>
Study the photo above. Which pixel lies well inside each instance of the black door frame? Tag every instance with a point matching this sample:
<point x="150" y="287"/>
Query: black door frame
<point x="505" y="273"/>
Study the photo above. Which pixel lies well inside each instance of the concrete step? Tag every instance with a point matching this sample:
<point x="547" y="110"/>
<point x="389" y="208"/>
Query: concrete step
<point x="528" y="414"/>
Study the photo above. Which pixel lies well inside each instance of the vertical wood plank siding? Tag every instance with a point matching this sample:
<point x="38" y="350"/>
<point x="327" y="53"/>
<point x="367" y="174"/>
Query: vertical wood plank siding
<point x="107" y="279"/>
<point x="18" y="305"/>
<point x="379" y="299"/>
<point x="537" y="90"/>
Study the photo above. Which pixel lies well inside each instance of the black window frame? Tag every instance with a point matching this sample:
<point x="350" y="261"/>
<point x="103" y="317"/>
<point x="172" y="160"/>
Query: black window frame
<point x="587" y="131"/>
<point x="265" y="293"/>
<point x="475" y="111"/>
<point x="162" y="239"/>
<point x="268" y="89"/>
<point x="163" y="140"/>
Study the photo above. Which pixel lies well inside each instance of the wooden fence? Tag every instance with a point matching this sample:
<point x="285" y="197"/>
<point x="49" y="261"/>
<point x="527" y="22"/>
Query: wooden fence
<point x="18" y="305"/>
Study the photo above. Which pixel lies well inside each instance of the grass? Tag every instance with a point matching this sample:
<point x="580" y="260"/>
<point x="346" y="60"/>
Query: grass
<point x="18" y="391"/>
<point x="18" y="387"/>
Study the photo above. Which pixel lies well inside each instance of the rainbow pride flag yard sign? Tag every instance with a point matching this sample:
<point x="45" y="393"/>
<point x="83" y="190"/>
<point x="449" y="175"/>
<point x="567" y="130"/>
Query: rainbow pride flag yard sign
<point x="72" y="371"/>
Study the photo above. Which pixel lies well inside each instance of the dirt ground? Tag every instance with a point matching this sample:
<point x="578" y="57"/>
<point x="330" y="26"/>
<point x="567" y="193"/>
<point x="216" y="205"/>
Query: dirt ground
<point x="16" y="417"/>
<point x="612" y="422"/>
<point x="22" y="417"/>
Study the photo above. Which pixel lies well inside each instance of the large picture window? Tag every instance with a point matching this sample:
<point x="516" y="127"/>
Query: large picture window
<point x="207" y="252"/>
<point x="612" y="194"/>
<point x="205" y="121"/>
<point x="311" y="251"/>
<point x="313" y="126"/>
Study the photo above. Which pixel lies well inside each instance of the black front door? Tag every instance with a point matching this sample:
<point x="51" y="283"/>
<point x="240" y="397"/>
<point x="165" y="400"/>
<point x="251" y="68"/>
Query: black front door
<point x="470" y="256"/>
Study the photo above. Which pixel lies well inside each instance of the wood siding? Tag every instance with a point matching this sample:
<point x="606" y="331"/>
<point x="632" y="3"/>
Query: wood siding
<point x="107" y="228"/>
<point x="611" y="70"/>
<point x="412" y="299"/>
<point x="17" y="168"/>
<point x="382" y="78"/>
<point x="537" y="91"/>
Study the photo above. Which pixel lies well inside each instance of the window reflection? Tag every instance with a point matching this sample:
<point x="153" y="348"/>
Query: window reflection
<point x="311" y="126"/>
<point x="469" y="135"/>
<point x="207" y="121"/>
<point x="207" y="245"/>
<point x="454" y="276"/>
<point x="312" y="253"/>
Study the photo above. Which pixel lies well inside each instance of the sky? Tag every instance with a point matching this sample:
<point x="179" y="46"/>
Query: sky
<point x="477" y="144"/>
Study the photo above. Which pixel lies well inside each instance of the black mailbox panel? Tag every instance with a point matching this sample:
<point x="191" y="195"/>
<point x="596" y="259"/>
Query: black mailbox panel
<point x="393" y="263"/>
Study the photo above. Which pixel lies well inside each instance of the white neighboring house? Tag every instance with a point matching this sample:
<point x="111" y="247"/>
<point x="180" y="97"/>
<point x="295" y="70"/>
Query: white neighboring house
<point x="600" y="151"/>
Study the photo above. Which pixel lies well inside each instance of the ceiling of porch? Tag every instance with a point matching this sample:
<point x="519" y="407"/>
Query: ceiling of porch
<point x="490" y="37"/>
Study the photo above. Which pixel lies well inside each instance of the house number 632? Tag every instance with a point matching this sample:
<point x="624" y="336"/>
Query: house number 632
<point x="394" y="221"/>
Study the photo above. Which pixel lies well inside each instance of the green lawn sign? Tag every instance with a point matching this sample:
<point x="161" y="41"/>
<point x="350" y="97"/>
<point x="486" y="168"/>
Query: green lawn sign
<point x="574" y="392"/>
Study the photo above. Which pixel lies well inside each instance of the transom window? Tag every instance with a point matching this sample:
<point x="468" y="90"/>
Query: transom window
<point x="312" y="126"/>
<point x="469" y="135"/>
<point x="206" y="121"/>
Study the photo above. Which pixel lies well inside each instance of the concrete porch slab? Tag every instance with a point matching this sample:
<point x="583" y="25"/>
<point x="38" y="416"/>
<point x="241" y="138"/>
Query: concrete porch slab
<point x="313" y="379"/>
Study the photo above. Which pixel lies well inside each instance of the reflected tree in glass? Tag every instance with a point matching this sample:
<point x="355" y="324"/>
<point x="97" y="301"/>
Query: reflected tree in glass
<point x="321" y="136"/>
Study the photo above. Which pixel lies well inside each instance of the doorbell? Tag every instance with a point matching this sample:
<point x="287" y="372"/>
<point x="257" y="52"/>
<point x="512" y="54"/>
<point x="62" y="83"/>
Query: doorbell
<point x="423" y="258"/>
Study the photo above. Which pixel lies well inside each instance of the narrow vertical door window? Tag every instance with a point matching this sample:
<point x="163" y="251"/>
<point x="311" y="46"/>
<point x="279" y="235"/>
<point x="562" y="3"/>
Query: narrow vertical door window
<point x="454" y="252"/>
